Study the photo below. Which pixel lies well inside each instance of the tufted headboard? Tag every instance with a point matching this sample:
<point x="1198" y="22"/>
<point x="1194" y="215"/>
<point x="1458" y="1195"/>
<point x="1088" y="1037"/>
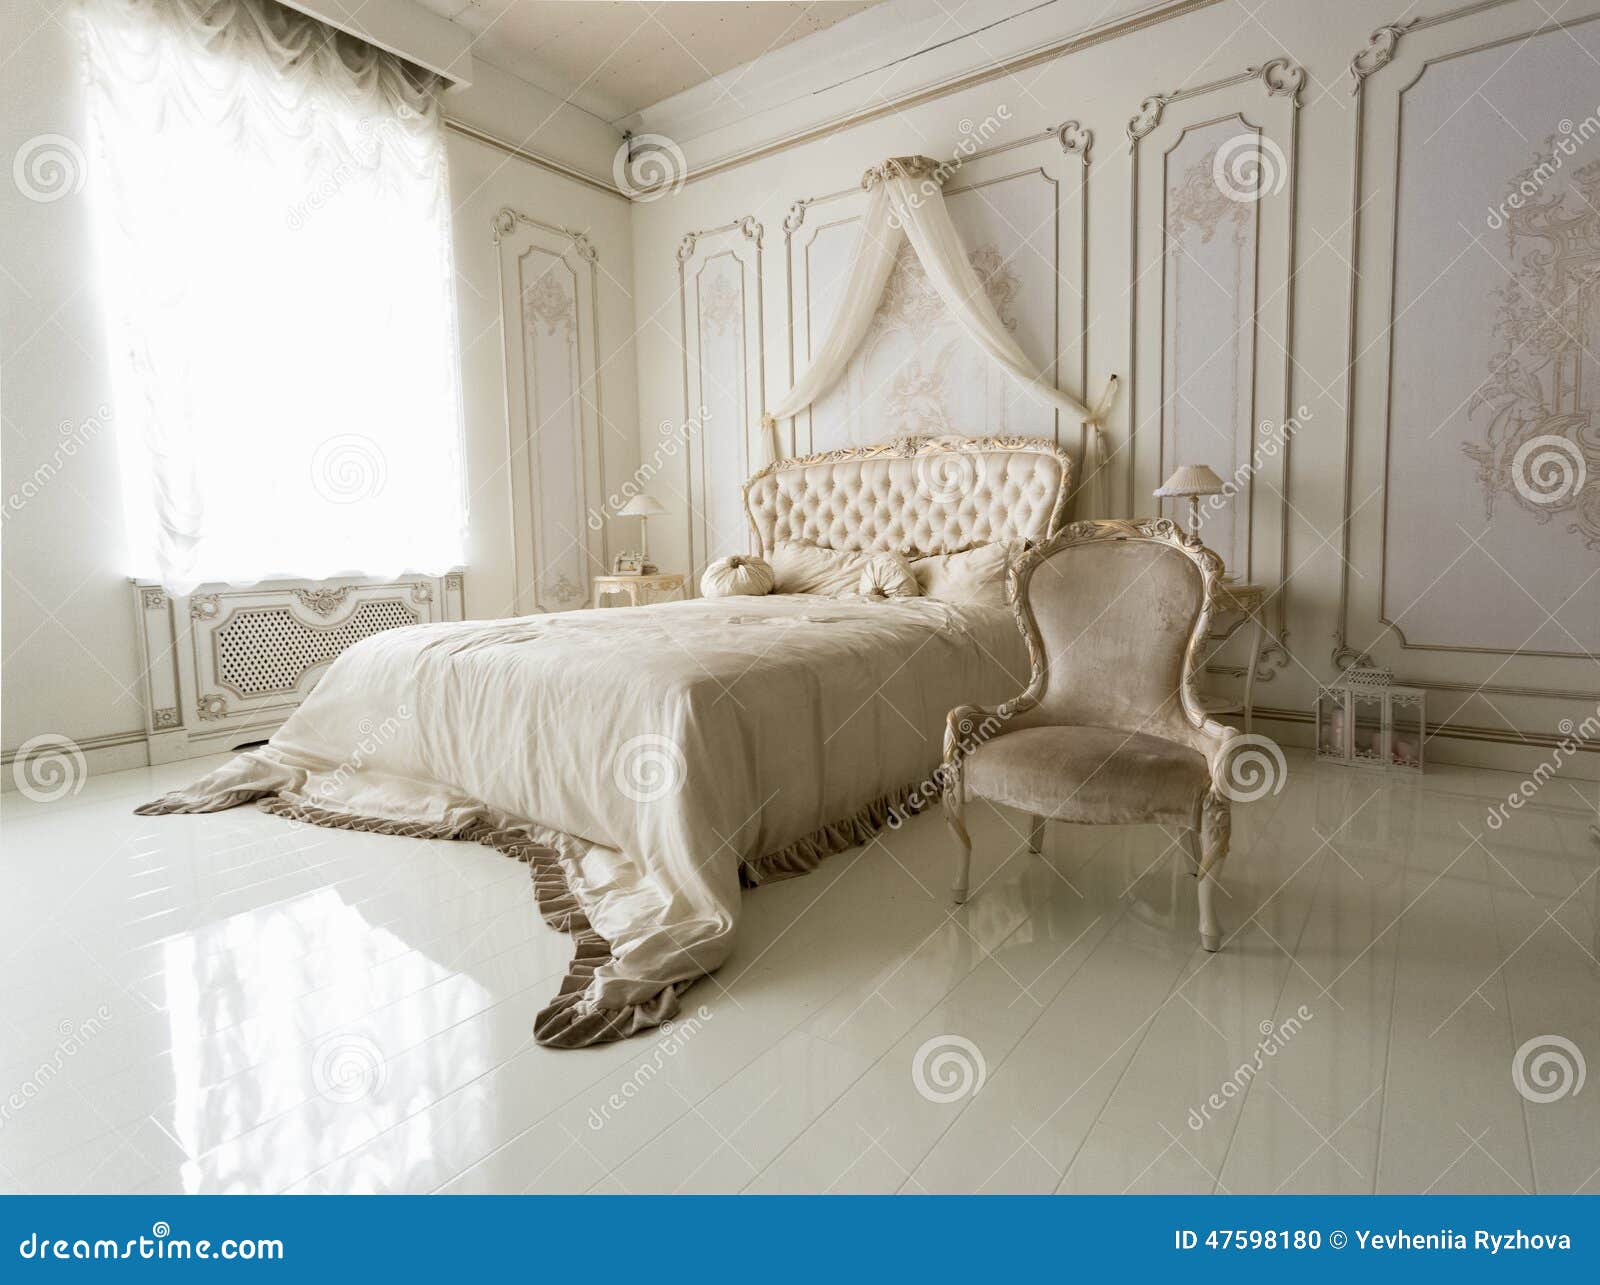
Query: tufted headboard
<point x="914" y="496"/>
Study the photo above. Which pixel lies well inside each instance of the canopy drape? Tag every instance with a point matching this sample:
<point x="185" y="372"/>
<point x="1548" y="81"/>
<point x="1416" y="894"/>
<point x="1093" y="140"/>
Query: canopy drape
<point x="905" y="201"/>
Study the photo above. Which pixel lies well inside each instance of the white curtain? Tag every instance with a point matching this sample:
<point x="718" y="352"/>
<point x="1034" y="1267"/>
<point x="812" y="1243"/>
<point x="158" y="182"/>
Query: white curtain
<point x="905" y="200"/>
<point x="274" y="224"/>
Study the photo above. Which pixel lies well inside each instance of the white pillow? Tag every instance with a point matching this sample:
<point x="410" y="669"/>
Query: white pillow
<point x="888" y="575"/>
<point x="976" y="577"/>
<point x="740" y="575"/>
<point x="798" y="566"/>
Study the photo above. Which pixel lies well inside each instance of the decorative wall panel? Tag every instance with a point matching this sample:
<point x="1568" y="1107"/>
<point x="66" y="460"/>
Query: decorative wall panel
<point x="1473" y="500"/>
<point x="1211" y="371"/>
<point x="548" y="311"/>
<point x="719" y="275"/>
<point x="1020" y="212"/>
<point x="1207" y="332"/>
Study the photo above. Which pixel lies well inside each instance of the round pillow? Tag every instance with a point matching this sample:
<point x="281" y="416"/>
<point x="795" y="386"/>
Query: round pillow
<point x="888" y="575"/>
<point x="740" y="575"/>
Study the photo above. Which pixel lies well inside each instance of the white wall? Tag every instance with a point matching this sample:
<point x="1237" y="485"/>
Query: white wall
<point x="1102" y="87"/>
<point x="67" y="648"/>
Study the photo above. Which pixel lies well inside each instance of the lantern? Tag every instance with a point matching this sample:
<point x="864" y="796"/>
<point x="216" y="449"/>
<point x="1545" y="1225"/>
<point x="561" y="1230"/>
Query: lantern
<point x="1363" y="718"/>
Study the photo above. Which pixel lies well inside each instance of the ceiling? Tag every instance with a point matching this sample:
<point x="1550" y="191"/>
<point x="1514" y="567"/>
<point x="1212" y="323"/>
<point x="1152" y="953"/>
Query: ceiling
<point x="614" y="58"/>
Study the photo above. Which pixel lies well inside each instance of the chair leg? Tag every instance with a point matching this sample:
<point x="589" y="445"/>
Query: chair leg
<point x="1210" y="929"/>
<point x="954" y="815"/>
<point x="1036" y="836"/>
<point x="1213" y="832"/>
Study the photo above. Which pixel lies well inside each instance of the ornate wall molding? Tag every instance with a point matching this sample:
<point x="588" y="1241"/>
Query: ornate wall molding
<point x="721" y="310"/>
<point x="555" y="415"/>
<point x="1275" y="159"/>
<point x="1377" y="160"/>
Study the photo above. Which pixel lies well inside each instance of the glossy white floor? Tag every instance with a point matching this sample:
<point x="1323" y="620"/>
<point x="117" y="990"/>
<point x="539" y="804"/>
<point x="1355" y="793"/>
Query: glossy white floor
<point x="234" y="1003"/>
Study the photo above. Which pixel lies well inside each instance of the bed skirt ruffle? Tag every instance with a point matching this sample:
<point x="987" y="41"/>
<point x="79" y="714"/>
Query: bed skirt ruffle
<point x="566" y="1022"/>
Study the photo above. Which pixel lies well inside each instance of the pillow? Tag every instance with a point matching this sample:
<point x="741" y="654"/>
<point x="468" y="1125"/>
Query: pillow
<point x="737" y="576"/>
<point x="798" y="566"/>
<point x="888" y="575"/>
<point x="976" y="577"/>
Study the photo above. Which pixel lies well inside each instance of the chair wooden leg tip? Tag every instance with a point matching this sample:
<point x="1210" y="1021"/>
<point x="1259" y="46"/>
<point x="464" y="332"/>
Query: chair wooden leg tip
<point x="1211" y="942"/>
<point x="958" y="894"/>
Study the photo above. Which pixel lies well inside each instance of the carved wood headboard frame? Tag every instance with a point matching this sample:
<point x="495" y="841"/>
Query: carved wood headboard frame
<point x="914" y="495"/>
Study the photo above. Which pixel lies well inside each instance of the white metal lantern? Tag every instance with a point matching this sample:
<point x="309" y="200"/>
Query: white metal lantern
<point x="1363" y="718"/>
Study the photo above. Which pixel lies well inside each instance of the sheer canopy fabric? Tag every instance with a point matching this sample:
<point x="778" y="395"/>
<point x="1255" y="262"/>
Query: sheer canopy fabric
<point x="905" y="201"/>
<point x="274" y="224"/>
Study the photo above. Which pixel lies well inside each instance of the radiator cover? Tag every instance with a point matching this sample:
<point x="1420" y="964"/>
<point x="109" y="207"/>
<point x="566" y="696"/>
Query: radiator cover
<point x="225" y="666"/>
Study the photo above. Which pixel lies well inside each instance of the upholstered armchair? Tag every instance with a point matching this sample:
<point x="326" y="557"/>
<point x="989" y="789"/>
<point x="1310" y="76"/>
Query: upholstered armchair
<point x="1110" y="730"/>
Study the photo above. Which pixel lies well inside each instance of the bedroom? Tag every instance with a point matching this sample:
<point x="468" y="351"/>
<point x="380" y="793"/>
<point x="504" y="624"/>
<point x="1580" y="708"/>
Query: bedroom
<point x="955" y="729"/>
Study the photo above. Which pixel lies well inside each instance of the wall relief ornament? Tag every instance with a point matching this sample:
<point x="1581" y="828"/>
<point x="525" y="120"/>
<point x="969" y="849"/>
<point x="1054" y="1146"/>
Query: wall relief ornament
<point x="548" y="300"/>
<point x="1199" y="204"/>
<point x="721" y="305"/>
<point x="911" y="304"/>
<point x="1075" y="140"/>
<point x="1540" y="448"/>
<point x="919" y="397"/>
<point x="1379" y="51"/>
<point x="911" y="167"/>
<point x="324" y="599"/>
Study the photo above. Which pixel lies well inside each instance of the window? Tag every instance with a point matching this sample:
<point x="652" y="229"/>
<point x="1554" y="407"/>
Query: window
<point x="274" y="225"/>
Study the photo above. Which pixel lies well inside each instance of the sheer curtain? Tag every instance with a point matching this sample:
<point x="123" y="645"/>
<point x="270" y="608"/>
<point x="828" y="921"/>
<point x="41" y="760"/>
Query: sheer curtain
<point x="274" y="227"/>
<point x="905" y="200"/>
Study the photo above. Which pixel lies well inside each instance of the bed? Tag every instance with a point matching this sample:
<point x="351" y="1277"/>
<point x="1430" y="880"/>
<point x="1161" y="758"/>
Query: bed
<point x="649" y="762"/>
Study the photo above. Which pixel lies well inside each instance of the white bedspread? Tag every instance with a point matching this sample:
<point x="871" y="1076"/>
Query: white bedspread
<point x="652" y="754"/>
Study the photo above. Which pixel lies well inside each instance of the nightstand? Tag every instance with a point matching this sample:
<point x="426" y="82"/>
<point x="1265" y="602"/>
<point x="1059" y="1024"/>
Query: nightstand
<point x="1248" y="602"/>
<point x="637" y="588"/>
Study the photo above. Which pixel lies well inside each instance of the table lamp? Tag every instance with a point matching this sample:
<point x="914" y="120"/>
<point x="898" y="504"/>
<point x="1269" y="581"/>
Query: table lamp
<point x="643" y="508"/>
<point x="1192" y="480"/>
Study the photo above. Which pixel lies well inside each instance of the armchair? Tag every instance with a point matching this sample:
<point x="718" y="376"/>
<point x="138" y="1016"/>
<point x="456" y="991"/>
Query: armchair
<point x="1110" y="730"/>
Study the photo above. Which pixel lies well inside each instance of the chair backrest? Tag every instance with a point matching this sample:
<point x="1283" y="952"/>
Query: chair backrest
<point x="1114" y="614"/>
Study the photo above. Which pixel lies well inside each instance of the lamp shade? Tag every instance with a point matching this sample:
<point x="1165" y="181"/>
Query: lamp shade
<point x="641" y="506"/>
<point x="1191" y="479"/>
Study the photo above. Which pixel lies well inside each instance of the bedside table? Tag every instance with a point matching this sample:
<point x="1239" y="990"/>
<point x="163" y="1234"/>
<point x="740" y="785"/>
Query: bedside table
<point x="637" y="588"/>
<point x="1248" y="602"/>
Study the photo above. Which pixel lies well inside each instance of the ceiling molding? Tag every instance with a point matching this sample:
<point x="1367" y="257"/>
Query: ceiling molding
<point x="1082" y="40"/>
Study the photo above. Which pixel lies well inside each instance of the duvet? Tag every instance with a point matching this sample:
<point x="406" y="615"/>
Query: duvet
<point x="646" y="762"/>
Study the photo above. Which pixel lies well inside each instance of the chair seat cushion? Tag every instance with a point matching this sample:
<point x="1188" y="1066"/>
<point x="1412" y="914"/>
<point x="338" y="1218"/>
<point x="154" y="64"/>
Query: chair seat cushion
<point x="1092" y="775"/>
